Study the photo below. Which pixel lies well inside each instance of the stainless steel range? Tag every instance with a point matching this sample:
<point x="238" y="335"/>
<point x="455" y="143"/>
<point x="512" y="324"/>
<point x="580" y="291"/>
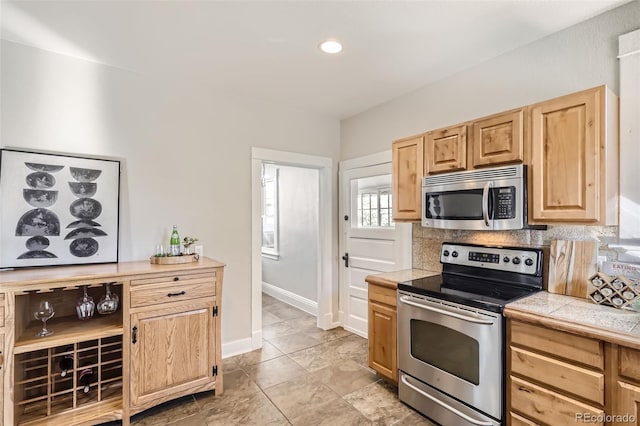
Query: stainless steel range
<point x="451" y="332"/>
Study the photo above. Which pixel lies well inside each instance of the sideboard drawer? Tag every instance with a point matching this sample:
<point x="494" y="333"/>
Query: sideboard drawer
<point x="1" y="309"/>
<point x="178" y="277"/>
<point x="168" y="292"/>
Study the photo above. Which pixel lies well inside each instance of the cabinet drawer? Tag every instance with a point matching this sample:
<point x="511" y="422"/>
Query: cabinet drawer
<point x="546" y="406"/>
<point x="579" y="381"/>
<point x="578" y="349"/>
<point x="172" y="292"/>
<point x="178" y="277"/>
<point x="517" y="420"/>
<point x="384" y="295"/>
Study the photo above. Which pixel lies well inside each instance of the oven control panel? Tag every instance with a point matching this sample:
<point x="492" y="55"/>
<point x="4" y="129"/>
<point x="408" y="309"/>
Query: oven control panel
<point x="522" y="260"/>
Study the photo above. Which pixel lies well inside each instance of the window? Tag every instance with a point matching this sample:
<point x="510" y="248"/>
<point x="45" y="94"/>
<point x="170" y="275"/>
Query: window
<point x="374" y="207"/>
<point x="270" y="211"/>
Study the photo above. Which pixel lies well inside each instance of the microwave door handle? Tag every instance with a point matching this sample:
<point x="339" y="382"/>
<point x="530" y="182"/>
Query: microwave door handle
<point x="445" y="405"/>
<point x="485" y="203"/>
<point x="405" y="300"/>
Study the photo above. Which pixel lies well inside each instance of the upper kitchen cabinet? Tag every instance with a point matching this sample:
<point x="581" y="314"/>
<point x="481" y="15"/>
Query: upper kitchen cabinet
<point x="446" y="150"/>
<point x="498" y="139"/>
<point x="574" y="159"/>
<point x="407" y="158"/>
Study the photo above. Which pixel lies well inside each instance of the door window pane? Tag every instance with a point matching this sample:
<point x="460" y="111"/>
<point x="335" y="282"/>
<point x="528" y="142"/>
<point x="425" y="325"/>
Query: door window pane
<point x="374" y="208"/>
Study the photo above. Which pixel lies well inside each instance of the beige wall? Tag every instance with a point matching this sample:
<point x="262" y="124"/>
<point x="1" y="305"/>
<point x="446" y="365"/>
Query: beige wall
<point x="185" y="152"/>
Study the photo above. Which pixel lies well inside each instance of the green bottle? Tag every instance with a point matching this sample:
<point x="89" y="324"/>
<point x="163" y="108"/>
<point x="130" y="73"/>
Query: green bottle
<point x="174" y="242"/>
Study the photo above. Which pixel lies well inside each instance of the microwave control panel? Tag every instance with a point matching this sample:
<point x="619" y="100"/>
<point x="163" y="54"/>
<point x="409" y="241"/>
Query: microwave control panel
<point x="505" y="202"/>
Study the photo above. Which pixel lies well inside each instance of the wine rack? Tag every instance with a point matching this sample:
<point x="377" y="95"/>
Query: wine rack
<point x="42" y="392"/>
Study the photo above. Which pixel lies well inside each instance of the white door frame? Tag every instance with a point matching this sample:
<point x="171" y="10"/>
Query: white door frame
<point x="366" y="161"/>
<point x="325" y="282"/>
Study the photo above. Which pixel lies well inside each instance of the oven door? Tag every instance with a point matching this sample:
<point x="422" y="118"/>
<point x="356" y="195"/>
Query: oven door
<point x="453" y="348"/>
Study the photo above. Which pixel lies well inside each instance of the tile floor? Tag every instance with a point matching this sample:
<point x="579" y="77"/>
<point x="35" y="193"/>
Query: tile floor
<point x="302" y="376"/>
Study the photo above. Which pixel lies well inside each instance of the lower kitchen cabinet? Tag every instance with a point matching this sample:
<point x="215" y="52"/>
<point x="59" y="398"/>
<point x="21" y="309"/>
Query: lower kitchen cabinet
<point x="557" y="377"/>
<point x="626" y="376"/>
<point x="383" y="331"/>
<point x="2" y="376"/>
<point x="552" y="375"/>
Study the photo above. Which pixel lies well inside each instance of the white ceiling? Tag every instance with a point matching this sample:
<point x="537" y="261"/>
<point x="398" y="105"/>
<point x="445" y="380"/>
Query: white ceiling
<point x="268" y="49"/>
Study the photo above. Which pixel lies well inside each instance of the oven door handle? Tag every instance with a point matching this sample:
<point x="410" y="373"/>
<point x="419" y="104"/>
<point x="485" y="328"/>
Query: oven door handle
<point x="405" y="299"/>
<point x="485" y="202"/>
<point x="445" y="405"/>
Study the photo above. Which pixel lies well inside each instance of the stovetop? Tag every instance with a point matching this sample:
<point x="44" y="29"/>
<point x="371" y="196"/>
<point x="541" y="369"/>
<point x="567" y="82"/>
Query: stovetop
<point x="478" y="293"/>
<point x="486" y="277"/>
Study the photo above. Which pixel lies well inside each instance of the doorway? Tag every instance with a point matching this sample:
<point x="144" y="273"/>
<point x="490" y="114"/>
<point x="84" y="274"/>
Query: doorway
<point x="290" y="235"/>
<point x="371" y="241"/>
<point x="323" y="284"/>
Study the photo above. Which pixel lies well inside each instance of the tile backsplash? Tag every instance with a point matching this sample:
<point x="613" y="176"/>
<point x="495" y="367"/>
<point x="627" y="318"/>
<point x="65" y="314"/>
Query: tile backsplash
<point x="427" y="241"/>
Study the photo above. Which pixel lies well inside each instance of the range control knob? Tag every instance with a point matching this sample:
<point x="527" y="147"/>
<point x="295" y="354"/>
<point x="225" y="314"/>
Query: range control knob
<point x="528" y="261"/>
<point x="445" y="253"/>
<point x="516" y="261"/>
<point x="454" y="253"/>
<point x="506" y="259"/>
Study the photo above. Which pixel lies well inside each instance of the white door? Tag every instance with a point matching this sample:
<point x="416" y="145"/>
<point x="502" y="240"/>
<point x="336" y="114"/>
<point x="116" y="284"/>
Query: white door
<point x="371" y="241"/>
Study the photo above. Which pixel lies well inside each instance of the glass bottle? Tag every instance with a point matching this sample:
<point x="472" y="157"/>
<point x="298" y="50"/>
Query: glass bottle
<point x="174" y="242"/>
<point x="84" y="378"/>
<point x="66" y="362"/>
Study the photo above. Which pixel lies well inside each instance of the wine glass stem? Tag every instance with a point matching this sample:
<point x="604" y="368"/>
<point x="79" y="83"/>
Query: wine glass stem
<point x="44" y="326"/>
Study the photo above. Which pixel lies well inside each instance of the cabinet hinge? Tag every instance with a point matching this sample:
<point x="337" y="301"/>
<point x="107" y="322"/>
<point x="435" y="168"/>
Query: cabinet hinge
<point x="215" y="311"/>
<point x="214" y="370"/>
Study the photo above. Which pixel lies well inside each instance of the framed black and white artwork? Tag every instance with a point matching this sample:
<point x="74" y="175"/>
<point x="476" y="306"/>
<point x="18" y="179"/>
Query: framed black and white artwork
<point x="57" y="209"/>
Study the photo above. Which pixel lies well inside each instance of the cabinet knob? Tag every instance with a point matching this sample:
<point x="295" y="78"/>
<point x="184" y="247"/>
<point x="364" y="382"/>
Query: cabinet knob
<point x="176" y="278"/>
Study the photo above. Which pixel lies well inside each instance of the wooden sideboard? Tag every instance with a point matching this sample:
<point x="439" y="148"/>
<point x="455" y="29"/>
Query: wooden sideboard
<point x="163" y="342"/>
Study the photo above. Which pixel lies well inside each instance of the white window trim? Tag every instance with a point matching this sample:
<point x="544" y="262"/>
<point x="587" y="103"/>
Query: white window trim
<point x="268" y="252"/>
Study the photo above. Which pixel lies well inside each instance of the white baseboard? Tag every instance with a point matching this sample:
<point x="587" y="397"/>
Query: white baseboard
<point x="326" y="322"/>
<point x="256" y="340"/>
<point x="237" y="347"/>
<point x="355" y="331"/>
<point x="309" y="306"/>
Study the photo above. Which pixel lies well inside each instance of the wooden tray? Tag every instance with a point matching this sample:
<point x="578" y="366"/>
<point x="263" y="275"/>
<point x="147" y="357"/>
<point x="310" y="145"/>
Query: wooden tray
<point x="174" y="260"/>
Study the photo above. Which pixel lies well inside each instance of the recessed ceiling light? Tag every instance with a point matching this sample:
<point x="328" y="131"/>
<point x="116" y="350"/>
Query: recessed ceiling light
<point x="330" y="46"/>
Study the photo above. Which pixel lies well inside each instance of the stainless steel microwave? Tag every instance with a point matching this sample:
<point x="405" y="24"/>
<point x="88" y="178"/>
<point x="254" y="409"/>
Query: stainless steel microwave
<point x="483" y="199"/>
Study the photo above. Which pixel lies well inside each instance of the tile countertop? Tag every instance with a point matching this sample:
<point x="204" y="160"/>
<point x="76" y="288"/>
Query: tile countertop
<point x="391" y="279"/>
<point x="578" y="316"/>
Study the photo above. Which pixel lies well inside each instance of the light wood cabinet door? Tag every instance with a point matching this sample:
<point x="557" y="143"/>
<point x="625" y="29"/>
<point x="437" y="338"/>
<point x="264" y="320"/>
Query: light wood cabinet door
<point x="498" y="139"/>
<point x="627" y="403"/>
<point x="572" y="176"/>
<point x="446" y="150"/>
<point x="383" y="340"/>
<point x="2" y="368"/>
<point x="408" y="169"/>
<point x="172" y="351"/>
